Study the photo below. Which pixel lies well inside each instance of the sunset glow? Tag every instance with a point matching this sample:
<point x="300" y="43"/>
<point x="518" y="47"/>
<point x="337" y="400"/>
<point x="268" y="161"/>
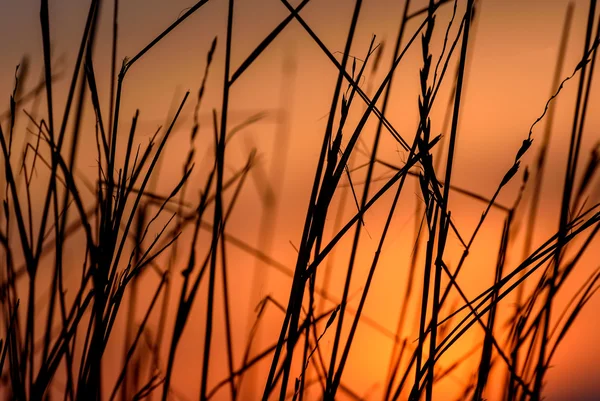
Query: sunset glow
<point x="270" y="120"/>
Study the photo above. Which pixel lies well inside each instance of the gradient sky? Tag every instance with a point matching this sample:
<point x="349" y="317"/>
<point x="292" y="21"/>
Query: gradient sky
<point x="511" y="63"/>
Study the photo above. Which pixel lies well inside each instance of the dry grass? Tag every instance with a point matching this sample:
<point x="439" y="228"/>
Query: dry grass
<point x="130" y="230"/>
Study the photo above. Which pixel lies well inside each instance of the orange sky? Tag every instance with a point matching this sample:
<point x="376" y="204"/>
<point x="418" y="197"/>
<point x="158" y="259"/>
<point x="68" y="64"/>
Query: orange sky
<point x="511" y="65"/>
